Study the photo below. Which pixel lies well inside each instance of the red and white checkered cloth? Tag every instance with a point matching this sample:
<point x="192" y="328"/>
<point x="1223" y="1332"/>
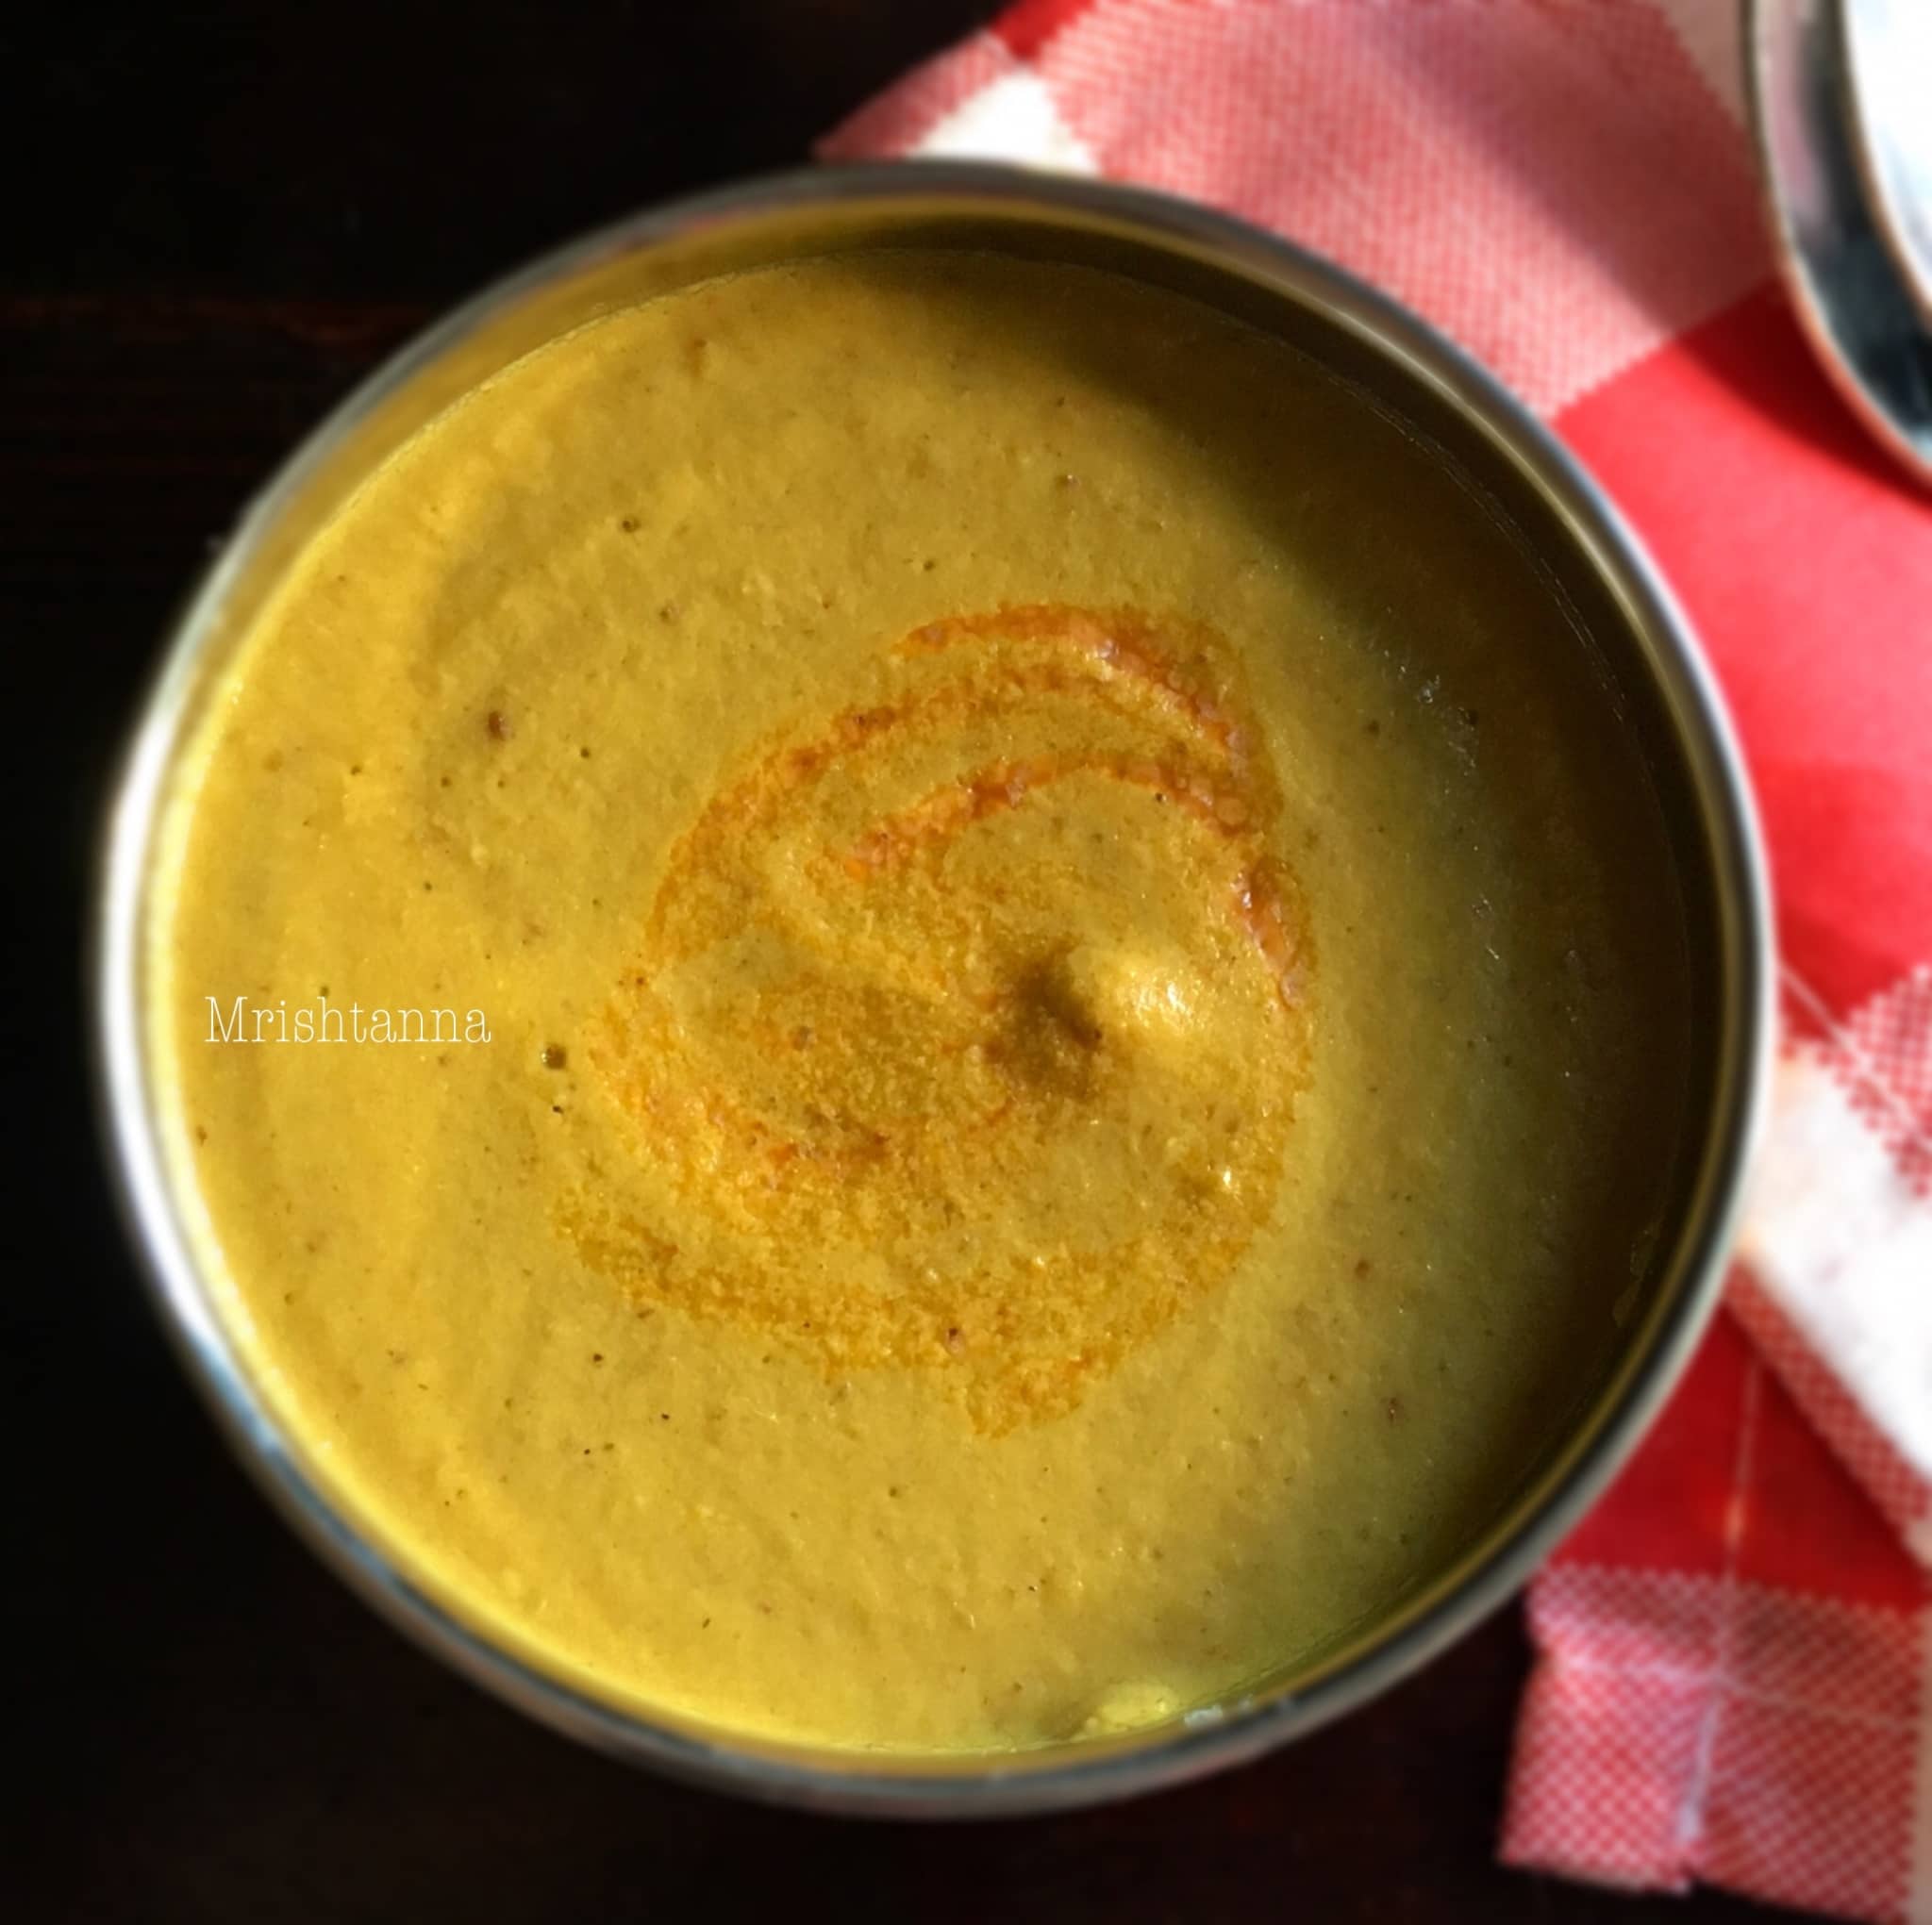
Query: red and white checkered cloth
<point x="1734" y="1679"/>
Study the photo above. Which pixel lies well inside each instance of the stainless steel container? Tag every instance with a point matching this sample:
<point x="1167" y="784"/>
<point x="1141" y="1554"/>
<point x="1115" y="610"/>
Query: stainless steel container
<point x="1661" y="687"/>
<point x="1838" y="92"/>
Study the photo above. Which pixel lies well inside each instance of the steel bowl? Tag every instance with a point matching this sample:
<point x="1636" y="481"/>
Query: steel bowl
<point x="1838" y="91"/>
<point x="1654" y="677"/>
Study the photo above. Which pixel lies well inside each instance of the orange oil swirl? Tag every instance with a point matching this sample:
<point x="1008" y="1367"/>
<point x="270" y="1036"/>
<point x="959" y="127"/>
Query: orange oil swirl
<point x="964" y="1033"/>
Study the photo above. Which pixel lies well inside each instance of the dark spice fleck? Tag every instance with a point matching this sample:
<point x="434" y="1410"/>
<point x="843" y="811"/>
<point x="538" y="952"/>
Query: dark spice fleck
<point x="1362" y="1266"/>
<point x="554" y="1056"/>
<point x="629" y="524"/>
<point x="498" y="724"/>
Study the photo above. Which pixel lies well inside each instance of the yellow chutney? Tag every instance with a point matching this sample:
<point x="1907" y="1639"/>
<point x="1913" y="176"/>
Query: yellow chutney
<point x="916" y="1001"/>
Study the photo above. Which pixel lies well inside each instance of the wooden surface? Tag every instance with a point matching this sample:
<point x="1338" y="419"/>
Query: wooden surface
<point x="219" y="222"/>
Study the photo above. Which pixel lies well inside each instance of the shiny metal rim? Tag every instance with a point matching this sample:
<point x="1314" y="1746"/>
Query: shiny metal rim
<point x="1834" y="247"/>
<point x="891" y="1784"/>
<point x="1885" y="54"/>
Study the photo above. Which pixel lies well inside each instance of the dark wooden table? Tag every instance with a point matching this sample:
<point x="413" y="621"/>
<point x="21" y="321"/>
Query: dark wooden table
<point x="218" y="221"/>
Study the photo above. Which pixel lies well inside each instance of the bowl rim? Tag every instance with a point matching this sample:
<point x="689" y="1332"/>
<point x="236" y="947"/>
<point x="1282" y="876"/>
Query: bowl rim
<point x="967" y="1784"/>
<point x="1832" y="228"/>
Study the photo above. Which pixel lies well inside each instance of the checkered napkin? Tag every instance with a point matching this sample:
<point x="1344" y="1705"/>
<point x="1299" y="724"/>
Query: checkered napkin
<point x="1734" y="1673"/>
